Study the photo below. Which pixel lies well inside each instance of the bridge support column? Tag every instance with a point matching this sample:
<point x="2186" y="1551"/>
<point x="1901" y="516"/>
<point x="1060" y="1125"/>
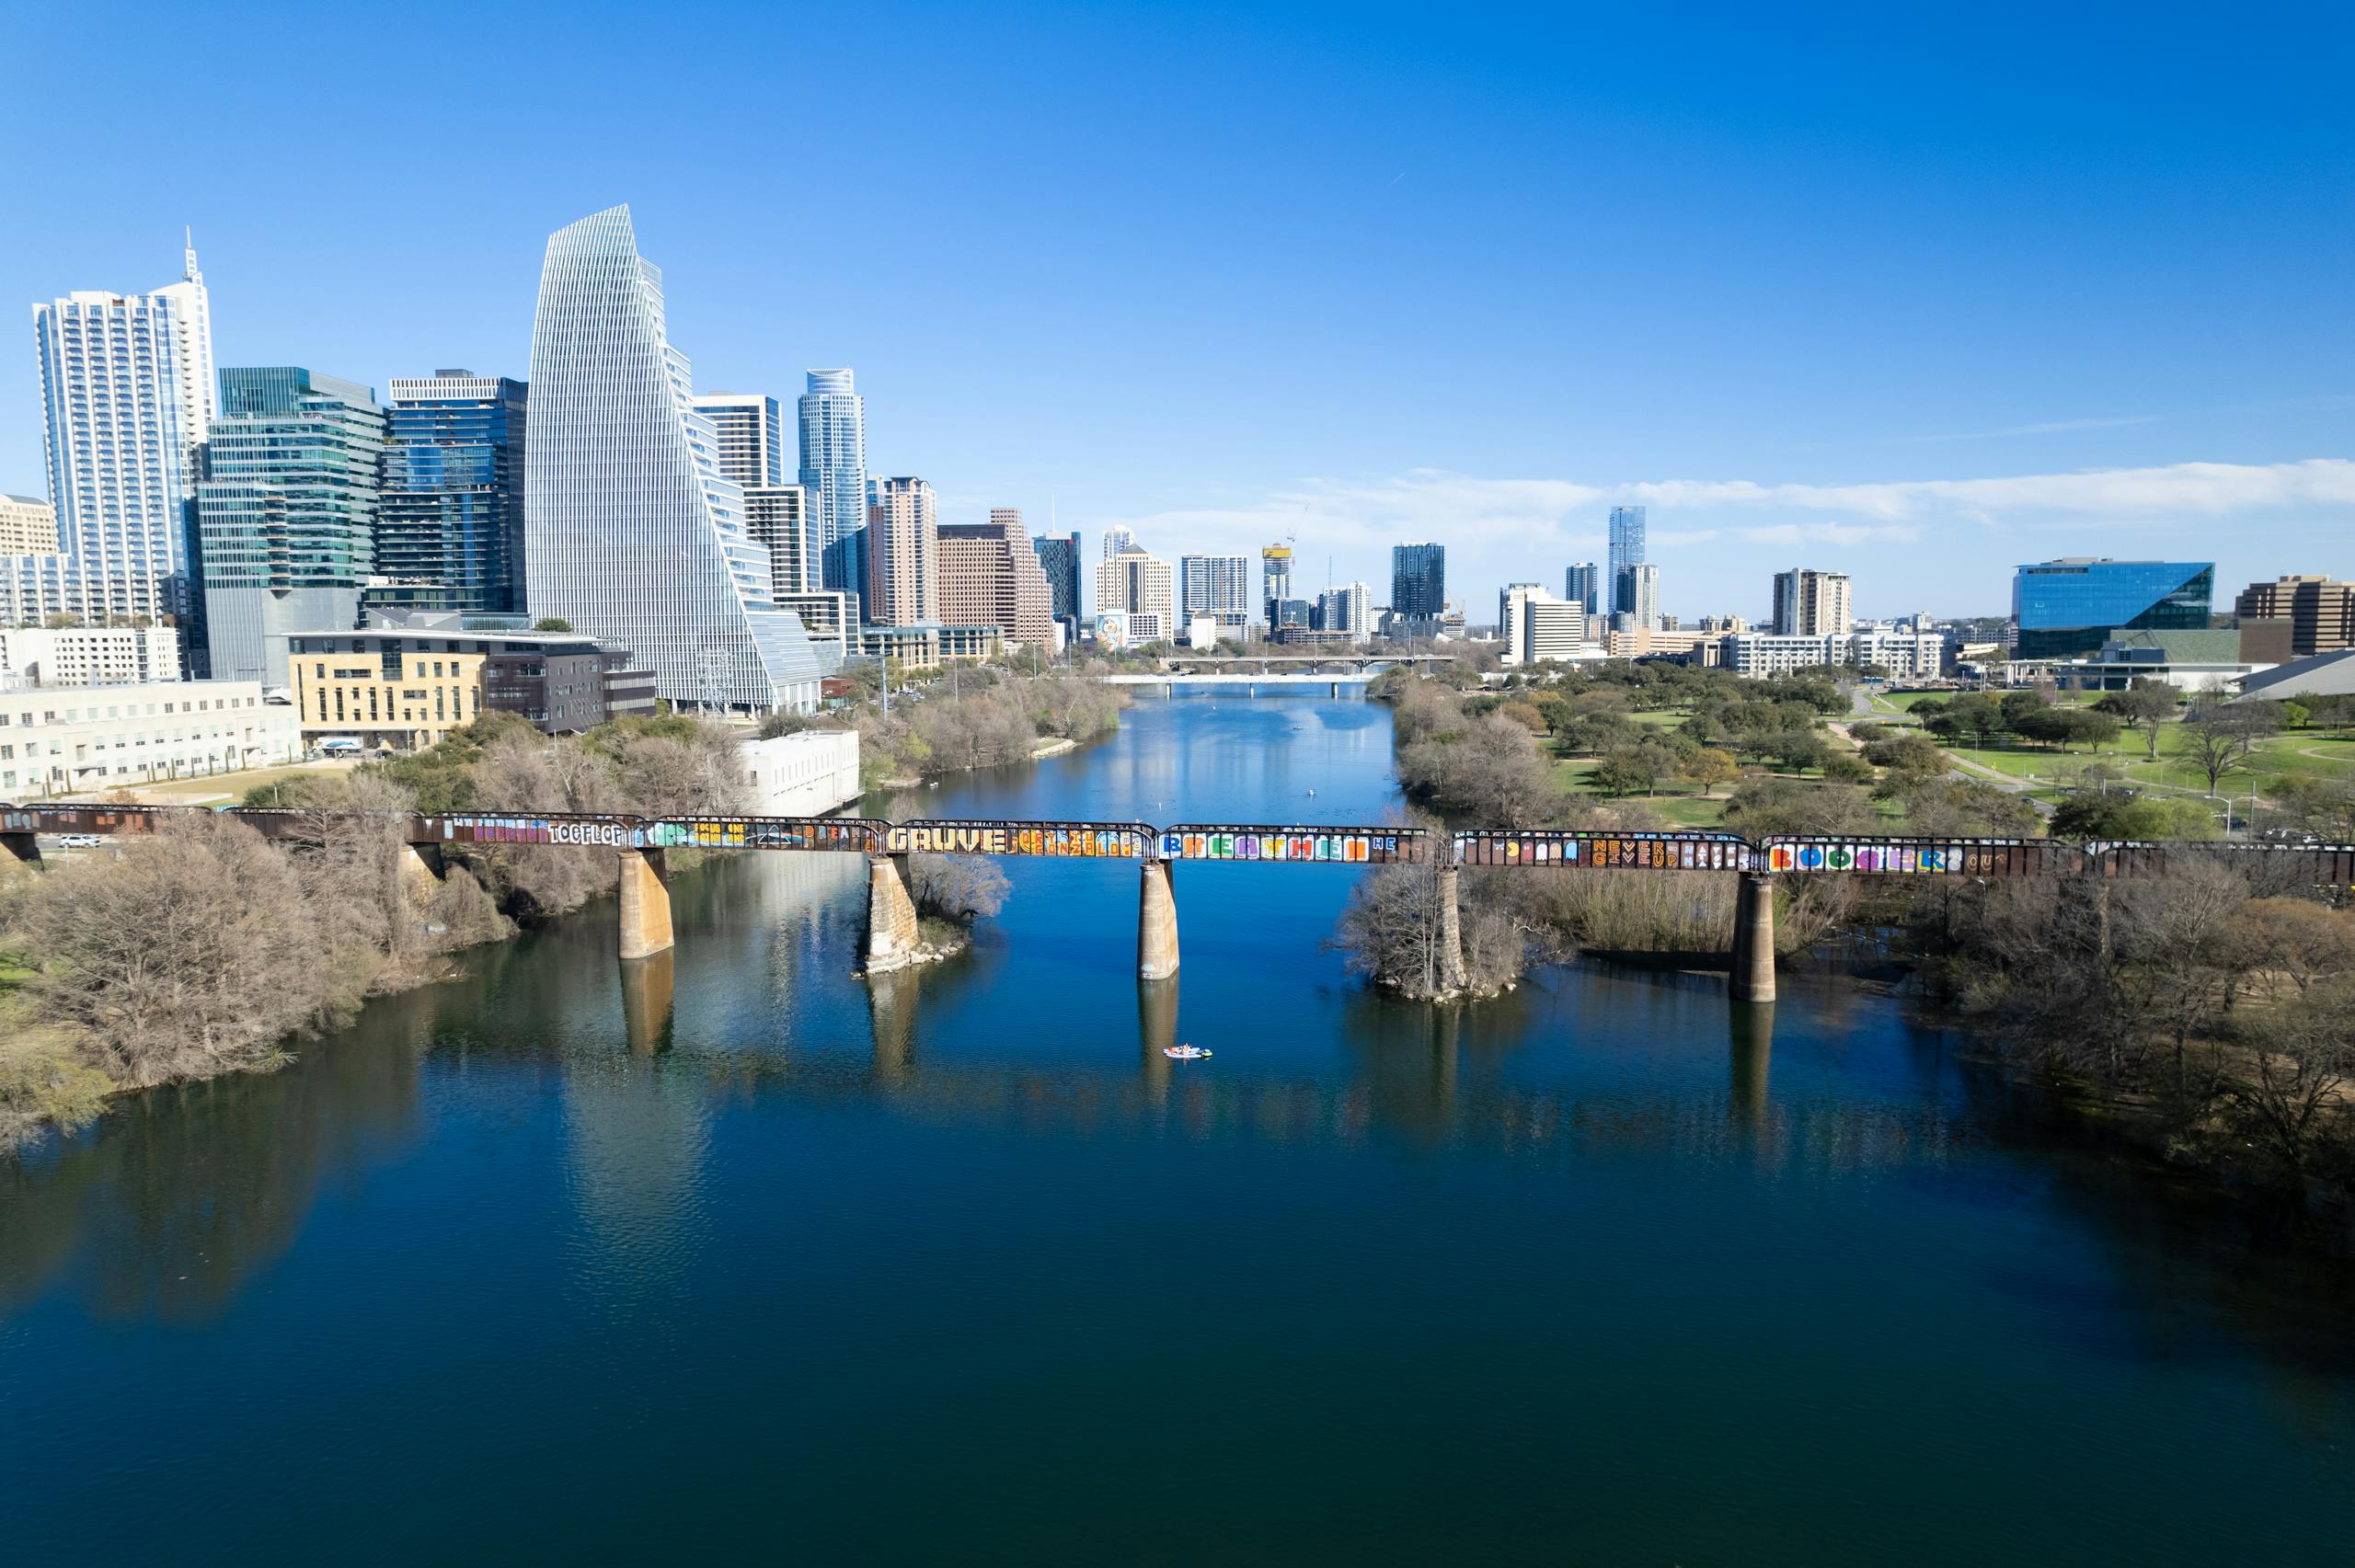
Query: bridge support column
<point x="1156" y="923"/>
<point x="1753" y="938"/>
<point x="420" y="872"/>
<point x="891" y="937"/>
<point x="646" y="989"/>
<point x="1451" y="931"/>
<point x="1335" y="689"/>
<point x="646" y="904"/>
<point x="19" y="853"/>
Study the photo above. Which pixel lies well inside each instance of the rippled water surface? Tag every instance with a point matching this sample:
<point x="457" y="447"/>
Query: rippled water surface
<point x="739" y="1255"/>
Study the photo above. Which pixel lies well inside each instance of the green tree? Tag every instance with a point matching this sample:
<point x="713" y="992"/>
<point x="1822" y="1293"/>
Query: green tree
<point x="551" y="623"/>
<point x="1708" y="767"/>
<point x="2141" y="707"/>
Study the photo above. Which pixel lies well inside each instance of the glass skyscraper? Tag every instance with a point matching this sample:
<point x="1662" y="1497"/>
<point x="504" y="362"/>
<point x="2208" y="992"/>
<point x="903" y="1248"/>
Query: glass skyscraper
<point x="1059" y="555"/>
<point x="449" y="526"/>
<point x="1626" y="550"/>
<point x="833" y="464"/>
<point x="630" y="531"/>
<point x="2066" y="609"/>
<point x="1582" y="587"/>
<point x="1419" y="581"/>
<point x="286" y="512"/>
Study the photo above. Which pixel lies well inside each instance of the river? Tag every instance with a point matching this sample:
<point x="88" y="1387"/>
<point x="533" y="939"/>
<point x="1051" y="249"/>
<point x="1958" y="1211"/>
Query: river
<point x="960" y="1268"/>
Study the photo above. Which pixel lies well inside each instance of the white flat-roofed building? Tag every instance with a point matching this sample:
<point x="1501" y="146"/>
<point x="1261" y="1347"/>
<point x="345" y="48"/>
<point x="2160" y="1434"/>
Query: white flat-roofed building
<point x="805" y="774"/>
<point x="90" y="656"/>
<point x="1906" y="655"/>
<point x="1538" y="628"/>
<point x="87" y="739"/>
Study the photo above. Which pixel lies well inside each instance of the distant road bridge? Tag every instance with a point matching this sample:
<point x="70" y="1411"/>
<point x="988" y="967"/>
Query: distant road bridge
<point x="891" y="941"/>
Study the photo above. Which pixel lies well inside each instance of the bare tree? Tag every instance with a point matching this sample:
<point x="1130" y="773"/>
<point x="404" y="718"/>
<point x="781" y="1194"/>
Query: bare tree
<point x="962" y="888"/>
<point x="2220" y="737"/>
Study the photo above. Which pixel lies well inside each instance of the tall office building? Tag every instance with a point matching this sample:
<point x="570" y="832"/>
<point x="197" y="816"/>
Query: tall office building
<point x="1811" y="603"/>
<point x="1419" y="581"/>
<point x="1582" y="585"/>
<point x="126" y="383"/>
<point x="751" y="436"/>
<point x="1215" y="586"/>
<point x="2068" y="608"/>
<point x="781" y="520"/>
<point x="2321" y="611"/>
<point x="833" y="455"/>
<point x="449" y="526"/>
<point x="1142" y="587"/>
<point x="1117" y="539"/>
<point x="902" y="553"/>
<point x="1537" y="627"/>
<point x="1347" y="609"/>
<point x="1626" y="550"/>
<point x="293" y="473"/>
<point x="631" y="533"/>
<point x="1275" y="582"/>
<point x="28" y="526"/>
<point x="1059" y="557"/>
<point x="1637" y="596"/>
<point x="991" y="577"/>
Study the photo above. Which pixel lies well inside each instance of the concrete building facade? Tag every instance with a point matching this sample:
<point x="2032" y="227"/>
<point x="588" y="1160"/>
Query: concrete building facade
<point x="2320" y="609"/>
<point x="902" y="553"/>
<point x="989" y="575"/>
<point x="91" y="655"/>
<point x="1811" y="603"/>
<point x="78" y="739"/>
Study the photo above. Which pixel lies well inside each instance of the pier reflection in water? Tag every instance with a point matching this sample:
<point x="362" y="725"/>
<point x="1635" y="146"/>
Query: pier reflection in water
<point x="1391" y="1283"/>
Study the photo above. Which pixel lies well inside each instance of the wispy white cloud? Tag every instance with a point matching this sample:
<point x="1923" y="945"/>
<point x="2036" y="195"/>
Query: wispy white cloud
<point x="2053" y="427"/>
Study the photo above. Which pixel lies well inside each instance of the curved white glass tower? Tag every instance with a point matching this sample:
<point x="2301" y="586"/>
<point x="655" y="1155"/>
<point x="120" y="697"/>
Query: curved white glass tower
<point x="630" y="533"/>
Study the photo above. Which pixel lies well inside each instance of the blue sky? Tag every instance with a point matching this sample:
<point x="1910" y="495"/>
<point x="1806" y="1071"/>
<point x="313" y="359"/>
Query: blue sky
<point x="1915" y="296"/>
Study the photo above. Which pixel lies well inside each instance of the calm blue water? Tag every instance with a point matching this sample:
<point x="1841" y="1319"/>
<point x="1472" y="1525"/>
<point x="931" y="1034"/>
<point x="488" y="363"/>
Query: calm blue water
<point x="960" y="1267"/>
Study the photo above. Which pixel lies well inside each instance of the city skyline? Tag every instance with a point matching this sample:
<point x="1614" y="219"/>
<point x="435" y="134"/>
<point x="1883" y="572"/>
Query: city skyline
<point x="2049" y="401"/>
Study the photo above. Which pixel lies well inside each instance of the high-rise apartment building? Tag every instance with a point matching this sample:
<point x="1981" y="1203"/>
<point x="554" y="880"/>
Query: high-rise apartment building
<point x="1059" y="557"/>
<point x="1582" y="585"/>
<point x="450" y="525"/>
<point x="1637" y="596"/>
<point x="990" y="577"/>
<point x="902" y="553"/>
<point x="631" y="533"/>
<point x="1275" y="582"/>
<point x="781" y="520"/>
<point x="28" y="526"/>
<point x="126" y="383"/>
<point x="1215" y="586"/>
<point x="1626" y="550"/>
<point x="1419" y="581"/>
<point x="2320" y="609"/>
<point x="1811" y="603"/>
<point x="293" y="473"/>
<point x="1117" y="539"/>
<point x="2067" y="608"/>
<point x="751" y="436"/>
<point x="1347" y="609"/>
<point x="833" y="456"/>
<point x="1136" y="585"/>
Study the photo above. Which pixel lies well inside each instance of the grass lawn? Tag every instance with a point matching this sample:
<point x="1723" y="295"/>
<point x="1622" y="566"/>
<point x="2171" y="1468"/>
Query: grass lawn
<point x="217" y="789"/>
<point x="2276" y="757"/>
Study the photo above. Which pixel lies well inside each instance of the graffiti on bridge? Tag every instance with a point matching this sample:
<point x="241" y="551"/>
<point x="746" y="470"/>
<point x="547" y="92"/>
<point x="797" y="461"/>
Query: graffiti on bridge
<point x="1649" y="852"/>
<point x="1348" y="846"/>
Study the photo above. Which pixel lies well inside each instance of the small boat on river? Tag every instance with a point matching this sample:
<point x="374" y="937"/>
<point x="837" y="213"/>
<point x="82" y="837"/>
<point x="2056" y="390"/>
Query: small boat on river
<point x="1185" y="1053"/>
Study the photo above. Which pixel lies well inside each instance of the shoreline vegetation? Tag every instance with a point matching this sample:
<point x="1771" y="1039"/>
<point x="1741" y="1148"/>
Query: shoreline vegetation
<point x="206" y="948"/>
<point x="2209" y="1016"/>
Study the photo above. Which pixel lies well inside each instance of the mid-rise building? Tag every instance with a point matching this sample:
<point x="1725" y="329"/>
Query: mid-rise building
<point x="1811" y="603"/>
<point x="1134" y="584"/>
<point x="631" y="531"/>
<point x="28" y="526"/>
<point x="1118" y="538"/>
<point x="127" y="391"/>
<point x="2320" y="609"/>
<point x="833" y="459"/>
<point x="2189" y="661"/>
<point x="1347" y="609"/>
<point x="779" y="518"/>
<point x="1582" y="585"/>
<point x="90" y="656"/>
<point x="407" y="679"/>
<point x="2068" y="608"/>
<point x="991" y="576"/>
<point x="930" y="645"/>
<point x="829" y="618"/>
<point x="287" y="513"/>
<point x="751" y="431"/>
<point x="1905" y="655"/>
<point x="1218" y="587"/>
<point x="1059" y="557"/>
<point x="902" y="553"/>
<point x="1538" y="628"/>
<point x="1419" y="581"/>
<point x="1637" y="595"/>
<point x="1627" y="550"/>
<point x="450" y="522"/>
<point x="805" y="774"/>
<point x="89" y="740"/>
<point x="1275" y="585"/>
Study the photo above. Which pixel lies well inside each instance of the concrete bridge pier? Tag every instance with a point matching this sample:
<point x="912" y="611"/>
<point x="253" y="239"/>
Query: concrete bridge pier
<point x="421" y="873"/>
<point x="1157" y="1029"/>
<point x="1451" y="930"/>
<point x="646" y="904"/>
<point x="22" y="854"/>
<point x="892" y="935"/>
<point x="1753" y="938"/>
<point x="1156" y="923"/>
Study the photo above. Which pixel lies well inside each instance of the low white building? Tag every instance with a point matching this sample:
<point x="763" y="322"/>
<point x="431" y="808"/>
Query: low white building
<point x="1905" y="655"/>
<point x="90" y="656"/>
<point x="1538" y="628"/>
<point x="804" y="775"/>
<point x="76" y="739"/>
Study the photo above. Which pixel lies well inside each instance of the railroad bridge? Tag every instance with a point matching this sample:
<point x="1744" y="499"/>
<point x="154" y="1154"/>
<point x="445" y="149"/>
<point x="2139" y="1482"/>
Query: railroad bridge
<point x="642" y="843"/>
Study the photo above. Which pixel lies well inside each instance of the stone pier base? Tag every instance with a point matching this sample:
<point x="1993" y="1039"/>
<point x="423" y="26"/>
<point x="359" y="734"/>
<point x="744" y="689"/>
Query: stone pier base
<point x="646" y="904"/>
<point x="1753" y="938"/>
<point x="420" y="874"/>
<point x="891" y="936"/>
<point x="1156" y="923"/>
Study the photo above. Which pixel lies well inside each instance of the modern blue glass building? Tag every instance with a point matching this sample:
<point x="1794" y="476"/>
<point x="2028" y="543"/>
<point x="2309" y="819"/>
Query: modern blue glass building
<point x="1582" y="585"/>
<point x="1419" y="581"/>
<point x="1059" y="555"/>
<point x="1626" y="550"/>
<point x="449" y="526"/>
<point x="833" y="464"/>
<point x="2066" y="609"/>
